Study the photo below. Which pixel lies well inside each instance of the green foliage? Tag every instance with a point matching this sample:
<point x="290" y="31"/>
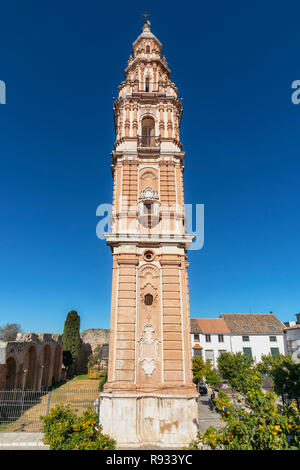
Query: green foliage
<point x="103" y="380"/>
<point x="238" y="370"/>
<point x="285" y="374"/>
<point x="212" y="377"/>
<point x="95" y="357"/>
<point x="198" y="366"/>
<point x="64" y="430"/>
<point x="67" y="359"/>
<point x="9" y="331"/>
<point x="258" y="424"/>
<point x="286" y="379"/>
<point x="204" y="371"/>
<point x="71" y="335"/>
<point x="254" y="420"/>
<point x="269" y="362"/>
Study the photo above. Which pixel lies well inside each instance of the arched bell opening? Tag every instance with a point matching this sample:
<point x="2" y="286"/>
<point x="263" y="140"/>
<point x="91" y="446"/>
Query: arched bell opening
<point x="148" y="131"/>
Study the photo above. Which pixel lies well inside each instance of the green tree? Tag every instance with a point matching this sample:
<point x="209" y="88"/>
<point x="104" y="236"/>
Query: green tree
<point x="9" y="331"/>
<point x="239" y="371"/>
<point x="255" y="420"/>
<point x="198" y="366"/>
<point x="286" y="377"/>
<point x="269" y="362"/>
<point x="212" y="377"/>
<point x="285" y="374"/>
<point x="71" y="339"/>
<point x="257" y="424"/>
<point x="204" y="371"/>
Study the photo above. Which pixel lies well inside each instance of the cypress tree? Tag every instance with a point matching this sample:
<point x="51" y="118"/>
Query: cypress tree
<point x="71" y="338"/>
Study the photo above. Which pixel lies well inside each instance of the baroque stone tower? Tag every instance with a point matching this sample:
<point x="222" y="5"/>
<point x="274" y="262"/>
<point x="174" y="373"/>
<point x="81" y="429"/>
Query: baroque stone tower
<point x="149" y="396"/>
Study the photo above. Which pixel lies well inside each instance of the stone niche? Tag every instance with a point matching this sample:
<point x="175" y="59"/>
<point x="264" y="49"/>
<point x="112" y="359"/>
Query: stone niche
<point x="32" y="362"/>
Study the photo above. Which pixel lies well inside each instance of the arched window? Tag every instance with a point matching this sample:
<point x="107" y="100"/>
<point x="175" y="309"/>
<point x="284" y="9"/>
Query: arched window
<point x="148" y="128"/>
<point x="147" y="84"/>
<point x="147" y="49"/>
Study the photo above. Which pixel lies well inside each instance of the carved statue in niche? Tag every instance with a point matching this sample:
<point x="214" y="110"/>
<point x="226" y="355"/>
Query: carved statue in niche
<point x="148" y="349"/>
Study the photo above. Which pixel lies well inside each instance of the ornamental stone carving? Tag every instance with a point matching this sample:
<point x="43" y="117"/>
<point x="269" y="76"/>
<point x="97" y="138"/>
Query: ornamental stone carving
<point x="148" y="349"/>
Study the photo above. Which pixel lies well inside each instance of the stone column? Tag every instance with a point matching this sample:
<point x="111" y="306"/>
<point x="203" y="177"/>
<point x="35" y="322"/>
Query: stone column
<point x="25" y="372"/>
<point x="40" y="377"/>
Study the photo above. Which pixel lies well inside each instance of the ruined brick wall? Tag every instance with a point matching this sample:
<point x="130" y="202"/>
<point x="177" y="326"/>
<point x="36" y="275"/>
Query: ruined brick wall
<point x="32" y="362"/>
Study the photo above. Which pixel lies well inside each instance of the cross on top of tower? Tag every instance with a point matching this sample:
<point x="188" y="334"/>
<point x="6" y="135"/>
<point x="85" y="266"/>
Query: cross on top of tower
<point x="147" y="23"/>
<point x="145" y="15"/>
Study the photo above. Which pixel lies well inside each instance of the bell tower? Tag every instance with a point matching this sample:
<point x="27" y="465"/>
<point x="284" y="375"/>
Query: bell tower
<point x="149" y="397"/>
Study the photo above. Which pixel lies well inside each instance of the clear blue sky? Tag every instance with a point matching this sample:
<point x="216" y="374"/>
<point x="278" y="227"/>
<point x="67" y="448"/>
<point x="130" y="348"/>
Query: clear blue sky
<point x="233" y="63"/>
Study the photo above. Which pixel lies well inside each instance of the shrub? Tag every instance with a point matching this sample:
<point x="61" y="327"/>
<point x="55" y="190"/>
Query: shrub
<point x="95" y="372"/>
<point x="63" y="430"/>
<point x="95" y="357"/>
<point x="205" y="371"/>
<point x="103" y="380"/>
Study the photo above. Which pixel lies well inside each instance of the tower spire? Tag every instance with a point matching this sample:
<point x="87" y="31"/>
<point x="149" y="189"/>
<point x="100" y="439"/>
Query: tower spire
<point x="146" y="21"/>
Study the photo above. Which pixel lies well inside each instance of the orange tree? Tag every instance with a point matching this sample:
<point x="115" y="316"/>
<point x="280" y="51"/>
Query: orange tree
<point x="258" y="424"/>
<point x="238" y="370"/>
<point x="198" y="366"/>
<point x="205" y="371"/>
<point x="287" y="379"/>
<point x="268" y="363"/>
<point x="285" y="374"/>
<point x="63" y="430"/>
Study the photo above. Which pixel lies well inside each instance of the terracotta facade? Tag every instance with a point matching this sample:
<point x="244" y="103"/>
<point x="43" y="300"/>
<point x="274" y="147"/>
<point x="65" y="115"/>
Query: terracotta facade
<point x="150" y="348"/>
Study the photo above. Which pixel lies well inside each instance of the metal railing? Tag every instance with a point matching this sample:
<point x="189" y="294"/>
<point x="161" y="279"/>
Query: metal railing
<point x="20" y="410"/>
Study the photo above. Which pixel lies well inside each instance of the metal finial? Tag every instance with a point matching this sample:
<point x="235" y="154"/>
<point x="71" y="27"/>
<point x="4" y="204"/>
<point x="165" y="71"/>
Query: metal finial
<point x="145" y="15"/>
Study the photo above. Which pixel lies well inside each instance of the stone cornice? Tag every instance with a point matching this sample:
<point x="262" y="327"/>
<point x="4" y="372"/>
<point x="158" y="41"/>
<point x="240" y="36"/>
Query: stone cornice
<point x="146" y="60"/>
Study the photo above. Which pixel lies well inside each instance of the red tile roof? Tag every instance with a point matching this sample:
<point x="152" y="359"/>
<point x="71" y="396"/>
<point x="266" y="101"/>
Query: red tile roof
<point x="209" y="325"/>
<point x="239" y="323"/>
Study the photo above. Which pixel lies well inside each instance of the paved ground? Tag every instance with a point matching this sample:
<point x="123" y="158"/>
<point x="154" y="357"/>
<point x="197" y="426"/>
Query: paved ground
<point x="206" y="416"/>
<point x="22" y="441"/>
<point x="23" y="448"/>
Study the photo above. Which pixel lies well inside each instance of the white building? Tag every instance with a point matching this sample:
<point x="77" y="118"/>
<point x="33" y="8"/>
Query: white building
<point x="255" y="334"/>
<point x="292" y="338"/>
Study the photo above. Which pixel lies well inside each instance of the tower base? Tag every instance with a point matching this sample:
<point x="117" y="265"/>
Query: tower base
<point x="158" y="420"/>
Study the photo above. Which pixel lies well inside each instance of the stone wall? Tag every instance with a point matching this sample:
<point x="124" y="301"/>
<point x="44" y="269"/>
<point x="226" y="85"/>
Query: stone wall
<point x="90" y="340"/>
<point x="95" y="337"/>
<point x="32" y="362"/>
